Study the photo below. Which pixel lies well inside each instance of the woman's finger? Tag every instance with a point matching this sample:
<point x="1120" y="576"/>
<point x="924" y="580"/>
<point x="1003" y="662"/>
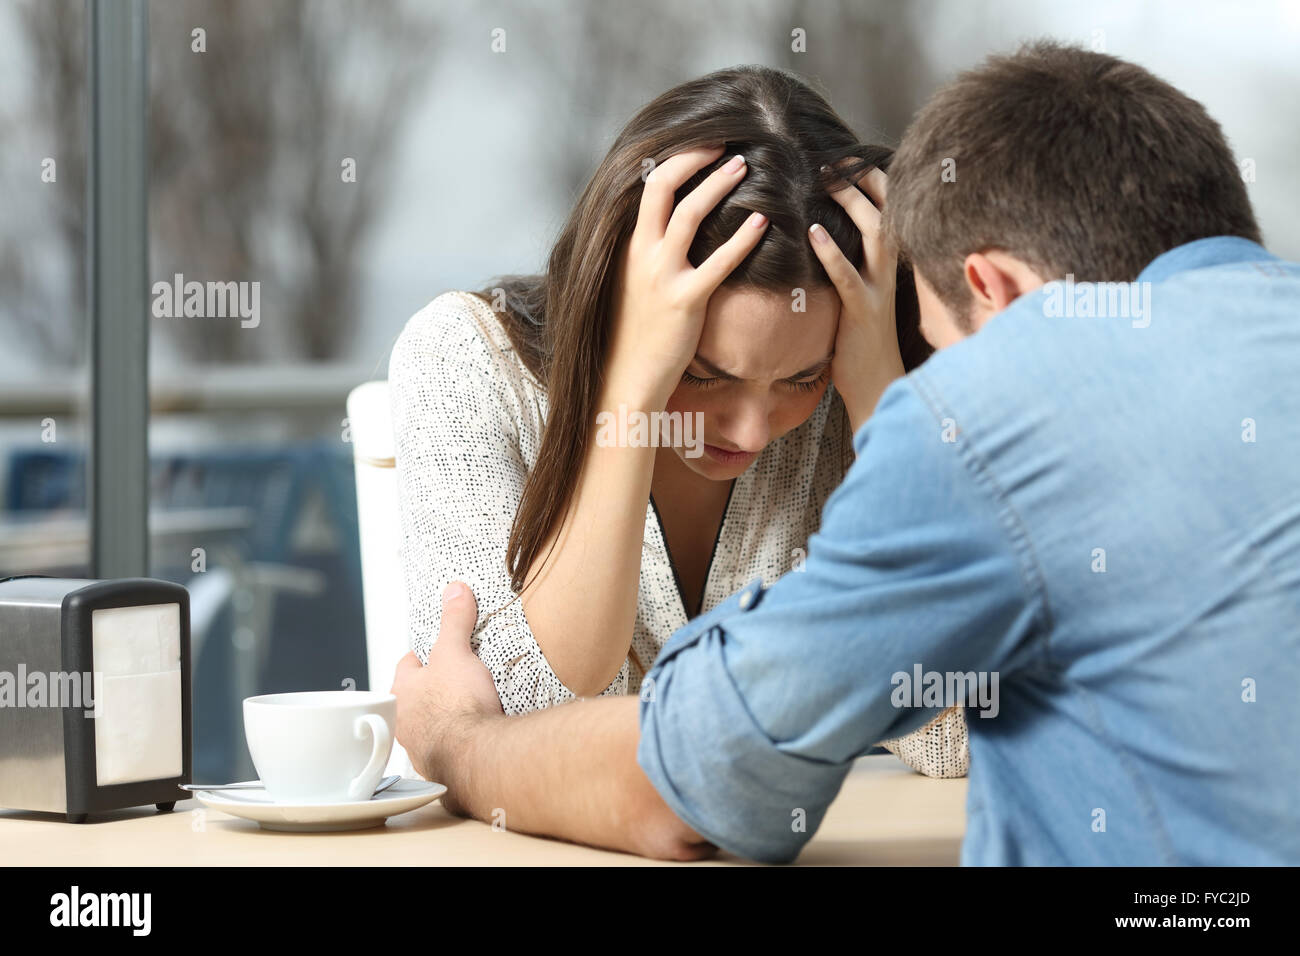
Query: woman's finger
<point x="848" y="282"/>
<point x="713" y="270"/>
<point x="879" y="257"/>
<point x="661" y="188"/>
<point x="875" y="184"/>
<point x="690" y="212"/>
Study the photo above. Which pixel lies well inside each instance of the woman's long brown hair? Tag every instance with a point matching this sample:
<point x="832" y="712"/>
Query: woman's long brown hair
<point x="560" y="321"/>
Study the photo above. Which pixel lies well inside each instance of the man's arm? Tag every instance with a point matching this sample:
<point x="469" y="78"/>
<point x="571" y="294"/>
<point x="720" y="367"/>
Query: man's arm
<point x="921" y="567"/>
<point x="753" y="713"/>
<point x="569" y="771"/>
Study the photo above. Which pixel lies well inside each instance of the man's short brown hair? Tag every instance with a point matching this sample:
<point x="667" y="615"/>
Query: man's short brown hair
<point x="1072" y="161"/>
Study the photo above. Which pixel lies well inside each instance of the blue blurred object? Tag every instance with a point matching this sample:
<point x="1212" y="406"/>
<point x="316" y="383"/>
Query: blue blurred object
<point x="268" y="616"/>
<point x="45" y="481"/>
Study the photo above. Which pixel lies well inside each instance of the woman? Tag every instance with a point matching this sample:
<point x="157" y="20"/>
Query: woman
<point x="685" y="281"/>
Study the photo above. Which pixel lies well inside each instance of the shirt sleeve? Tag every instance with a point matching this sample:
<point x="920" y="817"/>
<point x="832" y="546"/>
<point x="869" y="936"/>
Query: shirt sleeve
<point x="460" y="474"/>
<point x="755" y="712"/>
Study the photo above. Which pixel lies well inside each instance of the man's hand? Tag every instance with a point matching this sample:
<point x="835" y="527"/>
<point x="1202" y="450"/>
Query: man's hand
<point x="568" y="771"/>
<point x="441" y="704"/>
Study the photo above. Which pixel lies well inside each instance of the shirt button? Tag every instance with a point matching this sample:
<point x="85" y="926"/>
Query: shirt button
<point x="748" y="596"/>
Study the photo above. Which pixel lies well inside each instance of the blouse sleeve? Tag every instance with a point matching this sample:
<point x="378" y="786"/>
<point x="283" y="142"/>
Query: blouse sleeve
<point x="460" y="475"/>
<point x="939" y="749"/>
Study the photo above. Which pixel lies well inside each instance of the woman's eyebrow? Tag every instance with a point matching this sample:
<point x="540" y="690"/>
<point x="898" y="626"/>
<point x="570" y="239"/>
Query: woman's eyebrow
<point x="727" y="376"/>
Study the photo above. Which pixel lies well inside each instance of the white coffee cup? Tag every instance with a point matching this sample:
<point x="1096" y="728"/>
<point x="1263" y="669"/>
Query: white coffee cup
<point x="326" y="746"/>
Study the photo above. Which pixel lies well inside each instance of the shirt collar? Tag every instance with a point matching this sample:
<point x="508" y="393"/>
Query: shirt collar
<point x="1200" y="253"/>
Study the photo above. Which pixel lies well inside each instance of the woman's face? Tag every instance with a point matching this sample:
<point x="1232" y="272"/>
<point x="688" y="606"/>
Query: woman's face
<point x="759" y="371"/>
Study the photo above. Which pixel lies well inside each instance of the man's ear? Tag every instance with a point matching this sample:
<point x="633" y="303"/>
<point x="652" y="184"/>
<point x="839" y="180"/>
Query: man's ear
<point x="996" y="279"/>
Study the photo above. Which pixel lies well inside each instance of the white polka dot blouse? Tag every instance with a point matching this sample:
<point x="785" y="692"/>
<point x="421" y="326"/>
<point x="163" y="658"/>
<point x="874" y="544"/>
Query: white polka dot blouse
<point x="468" y="419"/>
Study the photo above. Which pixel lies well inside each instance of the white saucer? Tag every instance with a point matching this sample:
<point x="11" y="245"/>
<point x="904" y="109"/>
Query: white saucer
<point x="256" y="804"/>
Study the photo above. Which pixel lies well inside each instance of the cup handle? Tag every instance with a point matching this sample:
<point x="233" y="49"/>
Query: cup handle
<point x="363" y="785"/>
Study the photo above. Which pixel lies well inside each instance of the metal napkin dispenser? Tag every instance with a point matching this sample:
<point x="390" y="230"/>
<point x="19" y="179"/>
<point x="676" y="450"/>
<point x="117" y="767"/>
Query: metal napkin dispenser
<point x="95" y="705"/>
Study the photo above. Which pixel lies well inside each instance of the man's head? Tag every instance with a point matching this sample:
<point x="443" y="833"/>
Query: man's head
<point x="1053" y="161"/>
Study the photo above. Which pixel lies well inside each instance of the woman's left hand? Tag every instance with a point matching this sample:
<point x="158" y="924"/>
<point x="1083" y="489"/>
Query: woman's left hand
<point x="867" y="356"/>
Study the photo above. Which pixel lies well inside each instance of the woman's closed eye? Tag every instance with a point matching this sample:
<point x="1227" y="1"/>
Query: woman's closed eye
<point x="699" y="381"/>
<point x="809" y="384"/>
<point x="801" y="385"/>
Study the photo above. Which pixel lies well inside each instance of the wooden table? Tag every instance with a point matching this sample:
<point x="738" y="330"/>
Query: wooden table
<point x="885" y="814"/>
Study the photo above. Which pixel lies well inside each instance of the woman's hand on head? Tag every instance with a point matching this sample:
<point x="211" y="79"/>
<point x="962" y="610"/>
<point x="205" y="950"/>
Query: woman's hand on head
<point x="660" y="298"/>
<point x="867" y="356"/>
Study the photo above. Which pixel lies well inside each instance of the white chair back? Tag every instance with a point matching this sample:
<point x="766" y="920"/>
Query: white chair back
<point x="383" y="585"/>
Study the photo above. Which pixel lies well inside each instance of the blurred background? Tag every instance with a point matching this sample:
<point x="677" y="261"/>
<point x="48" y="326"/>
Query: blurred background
<point x="357" y="159"/>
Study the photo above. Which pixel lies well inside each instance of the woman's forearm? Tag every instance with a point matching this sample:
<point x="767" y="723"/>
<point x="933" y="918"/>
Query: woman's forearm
<point x="581" y="607"/>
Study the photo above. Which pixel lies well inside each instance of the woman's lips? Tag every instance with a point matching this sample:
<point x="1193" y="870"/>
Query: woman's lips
<point x="724" y="457"/>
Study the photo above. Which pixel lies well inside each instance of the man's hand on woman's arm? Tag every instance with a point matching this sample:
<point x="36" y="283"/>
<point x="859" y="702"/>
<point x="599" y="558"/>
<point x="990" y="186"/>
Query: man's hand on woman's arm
<point x="569" y="771"/>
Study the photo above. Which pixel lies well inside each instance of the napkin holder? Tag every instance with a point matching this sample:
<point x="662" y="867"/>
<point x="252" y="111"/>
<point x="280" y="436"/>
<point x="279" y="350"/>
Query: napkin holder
<point x="95" y="696"/>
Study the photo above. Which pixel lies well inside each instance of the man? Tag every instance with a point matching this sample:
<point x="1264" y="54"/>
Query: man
<point x="1089" y="511"/>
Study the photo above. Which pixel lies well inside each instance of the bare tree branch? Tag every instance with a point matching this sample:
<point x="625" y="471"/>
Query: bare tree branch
<point x="246" y="144"/>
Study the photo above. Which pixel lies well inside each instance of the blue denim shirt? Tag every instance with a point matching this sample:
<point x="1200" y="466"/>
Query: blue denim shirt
<point x="1101" y="511"/>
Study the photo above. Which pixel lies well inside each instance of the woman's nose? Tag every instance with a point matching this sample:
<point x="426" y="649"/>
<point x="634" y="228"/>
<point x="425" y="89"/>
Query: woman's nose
<point x="747" y="427"/>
